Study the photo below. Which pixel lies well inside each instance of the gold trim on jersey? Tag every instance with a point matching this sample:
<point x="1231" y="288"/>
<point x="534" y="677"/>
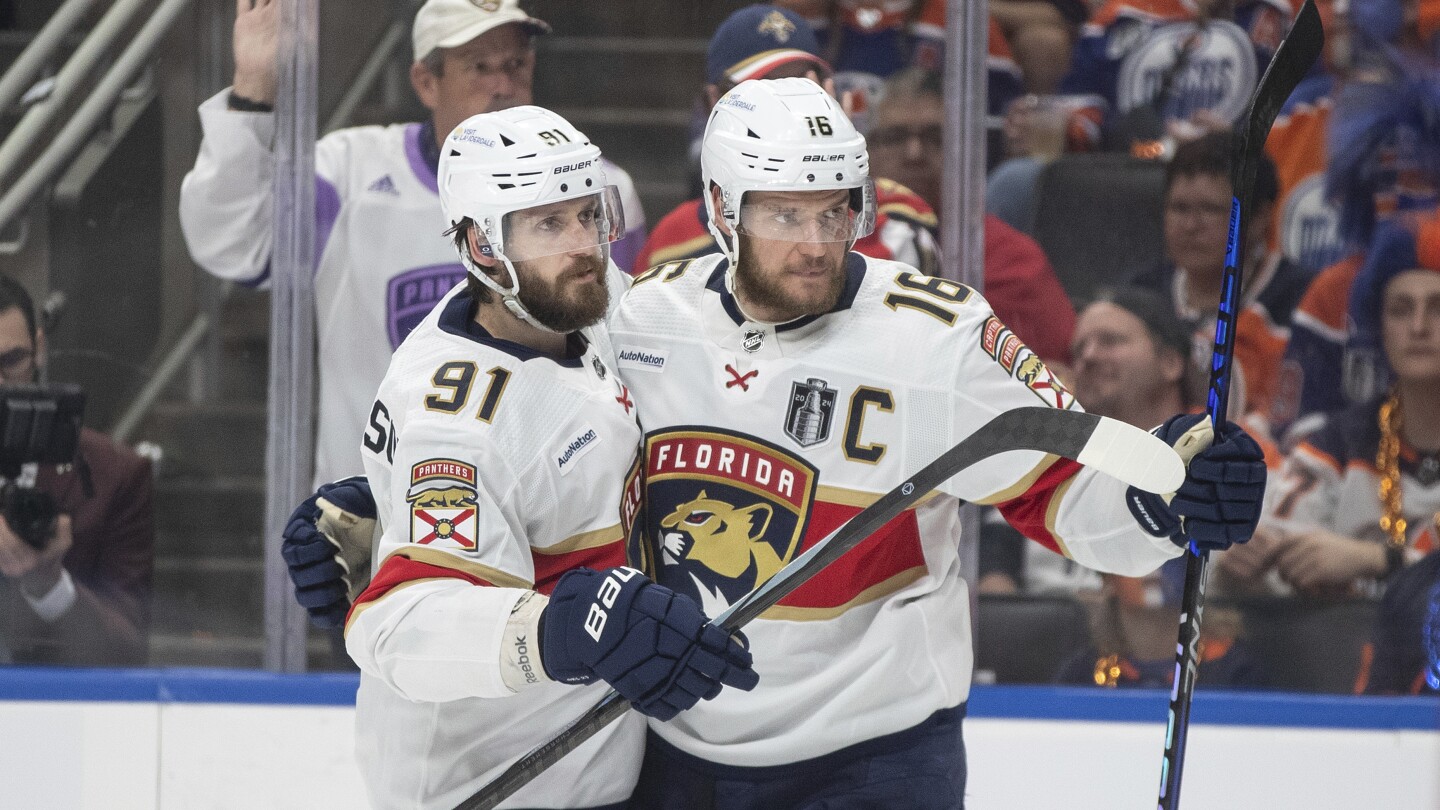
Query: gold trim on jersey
<point x="584" y="540"/>
<point x="877" y="591"/>
<point x="494" y="576"/>
<point x="1053" y="510"/>
<point x="1018" y="488"/>
<point x="861" y="499"/>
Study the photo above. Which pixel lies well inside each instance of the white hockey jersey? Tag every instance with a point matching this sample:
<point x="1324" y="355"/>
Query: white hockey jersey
<point x="760" y="440"/>
<point x="381" y="261"/>
<point x="495" y="470"/>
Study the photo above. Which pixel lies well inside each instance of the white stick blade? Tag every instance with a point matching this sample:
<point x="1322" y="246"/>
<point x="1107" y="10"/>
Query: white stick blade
<point x="1134" y="456"/>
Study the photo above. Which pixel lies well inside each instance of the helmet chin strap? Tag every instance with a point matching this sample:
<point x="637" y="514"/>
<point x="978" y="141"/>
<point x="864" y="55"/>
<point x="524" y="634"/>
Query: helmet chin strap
<point x="510" y="296"/>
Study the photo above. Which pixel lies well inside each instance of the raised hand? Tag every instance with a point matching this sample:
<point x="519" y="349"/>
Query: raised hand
<point x="255" y="44"/>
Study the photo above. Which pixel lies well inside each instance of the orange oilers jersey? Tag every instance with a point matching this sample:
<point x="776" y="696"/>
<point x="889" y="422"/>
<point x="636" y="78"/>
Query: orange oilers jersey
<point x="1306" y="225"/>
<point x="762" y="438"/>
<point x="1330" y="481"/>
<point x="495" y="469"/>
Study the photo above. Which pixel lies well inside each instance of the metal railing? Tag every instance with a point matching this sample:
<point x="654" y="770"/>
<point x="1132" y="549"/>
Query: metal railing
<point x="38" y="52"/>
<point x="83" y="124"/>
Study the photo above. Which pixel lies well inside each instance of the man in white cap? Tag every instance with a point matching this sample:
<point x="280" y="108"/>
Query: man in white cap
<point x="381" y="261"/>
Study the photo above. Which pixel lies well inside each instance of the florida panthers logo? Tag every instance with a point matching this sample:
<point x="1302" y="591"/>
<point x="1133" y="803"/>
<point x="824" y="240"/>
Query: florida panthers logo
<point x="727" y="540"/>
<point x="725" y="512"/>
<point x="442" y="504"/>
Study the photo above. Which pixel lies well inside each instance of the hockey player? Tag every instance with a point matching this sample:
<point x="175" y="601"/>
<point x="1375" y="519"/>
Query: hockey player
<point x="498" y="448"/>
<point x="381" y="265"/>
<point x="788" y="383"/>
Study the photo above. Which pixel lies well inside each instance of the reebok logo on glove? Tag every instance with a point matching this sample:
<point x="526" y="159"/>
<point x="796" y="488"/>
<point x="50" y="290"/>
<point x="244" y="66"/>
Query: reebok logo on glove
<point x="605" y="599"/>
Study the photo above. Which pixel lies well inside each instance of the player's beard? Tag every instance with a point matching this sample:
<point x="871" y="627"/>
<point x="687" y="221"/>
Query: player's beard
<point x="768" y="291"/>
<point x="566" y="304"/>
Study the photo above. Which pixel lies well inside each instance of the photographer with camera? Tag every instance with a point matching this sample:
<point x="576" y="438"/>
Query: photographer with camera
<point x="76" y="531"/>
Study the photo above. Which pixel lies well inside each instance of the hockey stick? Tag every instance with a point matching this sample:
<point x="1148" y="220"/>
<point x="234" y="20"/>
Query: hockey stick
<point x="1289" y="65"/>
<point x="1115" y="448"/>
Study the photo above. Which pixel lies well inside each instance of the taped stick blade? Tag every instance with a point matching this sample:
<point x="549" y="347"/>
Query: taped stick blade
<point x="1134" y="456"/>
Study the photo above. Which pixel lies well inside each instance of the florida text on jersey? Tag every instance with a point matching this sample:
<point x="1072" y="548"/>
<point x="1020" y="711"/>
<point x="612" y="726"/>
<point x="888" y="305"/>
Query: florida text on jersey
<point x="761" y="439"/>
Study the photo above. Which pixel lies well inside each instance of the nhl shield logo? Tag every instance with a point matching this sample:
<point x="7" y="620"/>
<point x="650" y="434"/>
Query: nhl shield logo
<point x="812" y="406"/>
<point x="754" y="339"/>
<point x="723" y="512"/>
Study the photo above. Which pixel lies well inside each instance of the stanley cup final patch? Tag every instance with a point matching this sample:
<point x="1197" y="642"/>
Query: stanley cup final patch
<point x="442" y="504"/>
<point x="812" y="407"/>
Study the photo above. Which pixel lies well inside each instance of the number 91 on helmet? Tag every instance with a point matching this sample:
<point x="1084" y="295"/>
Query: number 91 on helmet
<point x="533" y="185"/>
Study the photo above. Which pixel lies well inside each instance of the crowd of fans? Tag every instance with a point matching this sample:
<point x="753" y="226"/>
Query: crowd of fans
<point x="1338" y="342"/>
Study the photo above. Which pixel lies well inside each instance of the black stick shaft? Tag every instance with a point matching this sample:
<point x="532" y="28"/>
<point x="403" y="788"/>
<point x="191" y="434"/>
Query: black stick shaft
<point x="1063" y="433"/>
<point x="1289" y="65"/>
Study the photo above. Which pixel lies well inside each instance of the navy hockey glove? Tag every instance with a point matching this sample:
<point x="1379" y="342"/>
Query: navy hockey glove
<point x="652" y="645"/>
<point x="327" y="548"/>
<point x="1219" y="503"/>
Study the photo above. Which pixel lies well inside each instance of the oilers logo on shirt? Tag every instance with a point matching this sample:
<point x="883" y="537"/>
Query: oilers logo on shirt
<point x="1218" y="72"/>
<point x="724" y="512"/>
<point x="1310" y="226"/>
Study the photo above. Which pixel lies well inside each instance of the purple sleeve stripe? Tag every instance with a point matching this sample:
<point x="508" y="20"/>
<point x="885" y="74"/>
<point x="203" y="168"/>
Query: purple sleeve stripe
<point x="327" y="210"/>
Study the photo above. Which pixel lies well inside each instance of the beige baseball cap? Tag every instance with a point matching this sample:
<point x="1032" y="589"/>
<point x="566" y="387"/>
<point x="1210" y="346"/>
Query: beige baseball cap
<point x="449" y="23"/>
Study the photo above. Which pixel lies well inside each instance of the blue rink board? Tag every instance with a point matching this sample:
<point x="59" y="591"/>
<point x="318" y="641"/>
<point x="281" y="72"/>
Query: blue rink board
<point x="986" y="702"/>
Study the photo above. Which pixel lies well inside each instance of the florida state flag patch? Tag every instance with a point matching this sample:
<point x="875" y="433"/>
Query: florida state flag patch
<point x="442" y="504"/>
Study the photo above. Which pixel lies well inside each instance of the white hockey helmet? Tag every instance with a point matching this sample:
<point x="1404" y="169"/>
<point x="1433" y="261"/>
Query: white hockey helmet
<point x="496" y="166"/>
<point x="783" y="135"/>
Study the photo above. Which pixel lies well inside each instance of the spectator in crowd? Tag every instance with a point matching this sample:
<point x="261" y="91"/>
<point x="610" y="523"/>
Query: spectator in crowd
<point x="1384" y="143"/>
<point x="1133" y="627"/>
<point x="1196" y="226"/>
<point x="1160" y="78"/>
<point x="377" y="273"/>
<point x="83" y="597"/>
<point x="1403" y="656"/>
<point x="869" y="42"/>
<point x="1359" y="498"/>
<point x="769" y="42"/>
<point x="905" y="145"/>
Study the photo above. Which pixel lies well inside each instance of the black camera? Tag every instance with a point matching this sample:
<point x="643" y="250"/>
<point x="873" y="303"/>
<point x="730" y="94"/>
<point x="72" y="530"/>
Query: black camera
<point x="38" y="424"/>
